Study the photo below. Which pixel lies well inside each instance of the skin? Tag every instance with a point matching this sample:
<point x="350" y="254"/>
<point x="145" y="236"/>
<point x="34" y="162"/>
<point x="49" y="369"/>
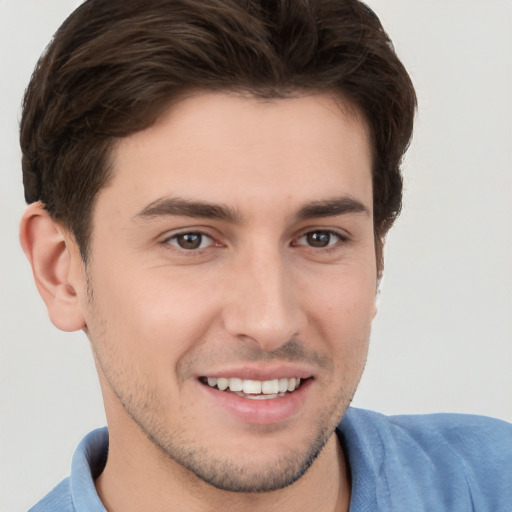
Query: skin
<point x="260" y="294"/>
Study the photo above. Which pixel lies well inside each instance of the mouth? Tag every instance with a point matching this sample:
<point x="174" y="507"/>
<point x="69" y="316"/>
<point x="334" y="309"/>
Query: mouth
<point x="254" y="389"/>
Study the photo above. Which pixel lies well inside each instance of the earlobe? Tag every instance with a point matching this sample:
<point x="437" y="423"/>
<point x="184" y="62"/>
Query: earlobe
<point x="375" y="305"/>
<point x="47" y="247"/>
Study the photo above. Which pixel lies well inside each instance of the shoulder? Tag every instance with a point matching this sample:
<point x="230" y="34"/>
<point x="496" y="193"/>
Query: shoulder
<point x="77" y="493"/>
<point x="481" y="446"/>
<point x="458" y="458"/>
<point x="58" y="500"/>
<point x="463" y="432"/>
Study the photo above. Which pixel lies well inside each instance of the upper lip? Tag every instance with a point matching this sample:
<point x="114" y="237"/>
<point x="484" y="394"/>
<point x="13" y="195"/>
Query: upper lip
<point x="262" y="373"/>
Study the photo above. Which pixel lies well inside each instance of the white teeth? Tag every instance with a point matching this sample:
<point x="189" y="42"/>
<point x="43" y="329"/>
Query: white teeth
<point x="261" y="397"/>
<point x="254" y="387"/>
<point x="222" y="383"/>
<point x="235" y="384"/>
<point x="270" y="387"/>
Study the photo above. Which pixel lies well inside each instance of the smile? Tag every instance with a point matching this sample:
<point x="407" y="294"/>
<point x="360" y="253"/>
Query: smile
<point x="254" y="389"/>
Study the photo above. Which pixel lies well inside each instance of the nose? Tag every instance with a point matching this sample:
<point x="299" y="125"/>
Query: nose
<point x="264" y="303"/>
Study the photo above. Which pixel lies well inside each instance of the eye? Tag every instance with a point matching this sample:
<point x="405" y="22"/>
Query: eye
<point x="320" y="239"/>
<point x="190" y="241"/>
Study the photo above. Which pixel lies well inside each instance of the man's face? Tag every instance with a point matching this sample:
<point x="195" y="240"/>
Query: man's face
<point x="234" y="246"/>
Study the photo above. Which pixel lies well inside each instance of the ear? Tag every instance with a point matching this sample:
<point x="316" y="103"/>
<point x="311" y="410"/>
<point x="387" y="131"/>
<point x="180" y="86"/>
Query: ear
<point x="376" y="301"/>
<point x="380" y="245"/>
<point x="53" y="254"/>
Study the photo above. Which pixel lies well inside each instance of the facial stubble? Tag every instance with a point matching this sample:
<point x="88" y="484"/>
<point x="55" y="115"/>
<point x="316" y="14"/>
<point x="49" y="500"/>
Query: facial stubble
<point x="140" y="402"/>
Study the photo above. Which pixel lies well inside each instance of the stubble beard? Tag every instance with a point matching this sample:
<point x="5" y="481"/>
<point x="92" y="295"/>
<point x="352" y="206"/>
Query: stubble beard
<point x="223" y="473"/>
<point x="203" y="464"/>
<point x="228" y="473"/>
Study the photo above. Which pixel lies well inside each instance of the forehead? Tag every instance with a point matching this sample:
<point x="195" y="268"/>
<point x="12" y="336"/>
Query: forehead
<point x="233" y="149"/>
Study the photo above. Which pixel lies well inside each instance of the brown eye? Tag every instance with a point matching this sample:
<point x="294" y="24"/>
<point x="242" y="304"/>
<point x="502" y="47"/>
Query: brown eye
<point x="191" y="241"/>
<point x="319" y="239"/>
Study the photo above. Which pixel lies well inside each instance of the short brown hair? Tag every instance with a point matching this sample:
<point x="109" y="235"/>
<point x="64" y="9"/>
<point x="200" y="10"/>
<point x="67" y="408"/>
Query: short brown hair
<point x="115" y="64"/>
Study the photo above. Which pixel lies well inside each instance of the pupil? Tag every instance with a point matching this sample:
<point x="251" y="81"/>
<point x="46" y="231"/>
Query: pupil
<point x="189" y="241"/>
<point x="318" y="239"/>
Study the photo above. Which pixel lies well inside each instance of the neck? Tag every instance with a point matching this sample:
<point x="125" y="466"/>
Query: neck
<point x="142" y="478"/>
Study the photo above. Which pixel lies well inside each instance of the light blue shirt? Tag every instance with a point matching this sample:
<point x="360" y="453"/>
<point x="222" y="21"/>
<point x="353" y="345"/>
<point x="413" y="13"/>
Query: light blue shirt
<point x="435" y="462"/>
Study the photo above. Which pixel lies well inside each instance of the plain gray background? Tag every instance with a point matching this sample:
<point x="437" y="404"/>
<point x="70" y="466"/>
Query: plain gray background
<point x="443" y="338"/>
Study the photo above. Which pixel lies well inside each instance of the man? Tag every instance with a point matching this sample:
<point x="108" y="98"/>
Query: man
<point x="210" y="186"/>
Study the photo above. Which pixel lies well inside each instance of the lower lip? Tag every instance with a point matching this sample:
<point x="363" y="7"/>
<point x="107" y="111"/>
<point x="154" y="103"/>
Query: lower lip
<point x="261" y="412"/>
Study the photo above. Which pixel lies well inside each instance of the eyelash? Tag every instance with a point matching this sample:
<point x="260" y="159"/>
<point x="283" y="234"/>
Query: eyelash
<point x="175" y="237"/>
<point x="340" y="239"/>
<point x="295" y="243"/>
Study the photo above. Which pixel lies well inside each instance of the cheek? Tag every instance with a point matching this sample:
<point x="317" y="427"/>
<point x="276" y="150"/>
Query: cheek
<point x="345" y="298"/>
<point x="342" y="315"/>
<point x="150" y="318"/>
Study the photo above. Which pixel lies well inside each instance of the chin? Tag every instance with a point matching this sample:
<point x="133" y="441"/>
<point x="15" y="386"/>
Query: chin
<point x="254" y="470"/>
<point x="236" y="475"/>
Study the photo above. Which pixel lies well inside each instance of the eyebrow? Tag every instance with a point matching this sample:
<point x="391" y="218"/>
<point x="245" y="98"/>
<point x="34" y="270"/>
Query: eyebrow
<point x="183" y="207"/>
<point x="332" y="208"/>
<point x="199" y="209"/>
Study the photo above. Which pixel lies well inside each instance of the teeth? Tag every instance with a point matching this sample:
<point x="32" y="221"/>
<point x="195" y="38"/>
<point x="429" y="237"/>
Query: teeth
<point x="270" y="387"/>
<point x="254" y="387"/>
<point x="251" y="387"/>
<point x="261" y="397"/>
<point x="283" y="385"/>
<point x="222" y="383"/>
<point x="236" y="384"/>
